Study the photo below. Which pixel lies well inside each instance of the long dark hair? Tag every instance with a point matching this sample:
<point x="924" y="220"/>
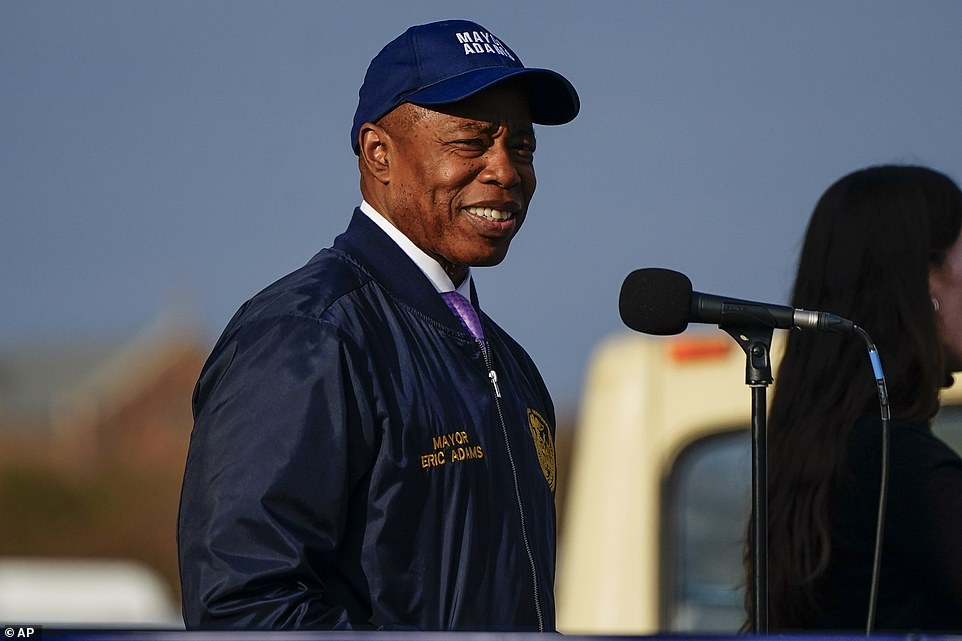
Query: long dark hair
<point x="866" y="257"/>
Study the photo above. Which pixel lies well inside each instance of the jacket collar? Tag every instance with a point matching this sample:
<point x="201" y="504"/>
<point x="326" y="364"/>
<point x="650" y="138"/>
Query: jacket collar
<point x="392" y="268"/>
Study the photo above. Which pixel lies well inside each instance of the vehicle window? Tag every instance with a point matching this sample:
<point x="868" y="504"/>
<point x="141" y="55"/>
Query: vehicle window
<point x="707" y="502"/>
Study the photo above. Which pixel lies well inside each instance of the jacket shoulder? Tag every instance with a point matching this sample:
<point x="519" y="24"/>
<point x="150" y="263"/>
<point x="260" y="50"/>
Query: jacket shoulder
<point x="308" y="292"/>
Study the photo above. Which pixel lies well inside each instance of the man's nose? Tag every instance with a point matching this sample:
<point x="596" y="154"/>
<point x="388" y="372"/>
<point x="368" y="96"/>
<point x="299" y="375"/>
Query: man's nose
<point x="501" y="167"/>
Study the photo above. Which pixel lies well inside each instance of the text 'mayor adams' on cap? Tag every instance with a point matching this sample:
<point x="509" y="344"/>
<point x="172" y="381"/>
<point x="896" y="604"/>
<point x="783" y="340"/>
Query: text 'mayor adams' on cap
<point x="444" y="62"/>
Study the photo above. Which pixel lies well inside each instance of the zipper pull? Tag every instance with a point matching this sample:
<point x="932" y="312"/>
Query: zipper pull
<point x="493" y="375"/>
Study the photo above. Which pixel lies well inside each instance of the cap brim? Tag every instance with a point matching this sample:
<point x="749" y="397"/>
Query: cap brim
<point x="552" y="99"/>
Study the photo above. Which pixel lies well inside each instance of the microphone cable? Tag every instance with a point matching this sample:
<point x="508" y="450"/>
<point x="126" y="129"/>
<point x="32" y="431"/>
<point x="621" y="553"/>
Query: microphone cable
<point x="883" y="481"/>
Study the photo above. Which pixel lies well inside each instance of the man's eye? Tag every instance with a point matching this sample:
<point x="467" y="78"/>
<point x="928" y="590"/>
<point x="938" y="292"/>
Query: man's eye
<point x="526" y="150"/>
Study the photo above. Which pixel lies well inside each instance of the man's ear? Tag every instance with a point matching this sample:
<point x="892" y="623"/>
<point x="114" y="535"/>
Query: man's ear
<point x="375" y="150"/>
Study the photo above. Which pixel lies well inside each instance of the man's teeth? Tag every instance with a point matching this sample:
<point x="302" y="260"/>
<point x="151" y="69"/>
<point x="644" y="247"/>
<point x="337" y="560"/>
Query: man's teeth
<point x="489" y="213"/>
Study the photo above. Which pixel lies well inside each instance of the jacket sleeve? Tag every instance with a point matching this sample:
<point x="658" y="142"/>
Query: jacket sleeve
<point x="282" y="437"/>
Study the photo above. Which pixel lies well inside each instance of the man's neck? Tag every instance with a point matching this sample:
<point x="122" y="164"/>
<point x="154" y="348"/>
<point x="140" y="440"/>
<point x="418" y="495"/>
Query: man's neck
<point x="444" y="277"/>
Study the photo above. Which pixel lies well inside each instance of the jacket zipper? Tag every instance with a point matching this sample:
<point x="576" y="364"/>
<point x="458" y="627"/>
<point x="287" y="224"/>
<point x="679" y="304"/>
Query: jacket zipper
<point x="493" y="377"/>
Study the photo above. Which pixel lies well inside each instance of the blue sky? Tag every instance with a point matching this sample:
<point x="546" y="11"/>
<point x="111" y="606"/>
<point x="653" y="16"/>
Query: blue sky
<point x="173" y="158"/>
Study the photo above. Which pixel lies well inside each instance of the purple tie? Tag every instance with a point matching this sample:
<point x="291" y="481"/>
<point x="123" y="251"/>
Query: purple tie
<point x="463" y="309"/>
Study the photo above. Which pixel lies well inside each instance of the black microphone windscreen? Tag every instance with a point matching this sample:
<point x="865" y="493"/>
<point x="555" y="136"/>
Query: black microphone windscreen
<point x="656" y="301"/>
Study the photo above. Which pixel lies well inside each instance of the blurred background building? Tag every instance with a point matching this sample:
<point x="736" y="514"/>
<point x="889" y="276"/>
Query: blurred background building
<point x="93" y="439"/>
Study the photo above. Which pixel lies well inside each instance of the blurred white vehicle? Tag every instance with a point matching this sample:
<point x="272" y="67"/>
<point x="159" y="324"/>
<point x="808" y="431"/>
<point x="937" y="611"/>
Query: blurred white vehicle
<point x="85" y="592"/>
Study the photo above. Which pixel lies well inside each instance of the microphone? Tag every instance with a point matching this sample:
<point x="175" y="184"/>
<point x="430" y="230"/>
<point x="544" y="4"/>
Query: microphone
<point x="661" y="302"/>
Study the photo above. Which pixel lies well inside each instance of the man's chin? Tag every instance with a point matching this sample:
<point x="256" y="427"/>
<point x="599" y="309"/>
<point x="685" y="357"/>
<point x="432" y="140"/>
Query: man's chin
<point x="489" y="258"/>
<point x="488" y="261"/>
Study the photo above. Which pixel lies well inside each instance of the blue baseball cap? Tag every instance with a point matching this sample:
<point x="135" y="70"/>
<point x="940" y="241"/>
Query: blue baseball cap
<point x="445" y="62"/>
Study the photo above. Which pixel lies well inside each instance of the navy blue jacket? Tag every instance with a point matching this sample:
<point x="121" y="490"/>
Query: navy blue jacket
<point x="357" y="461"/>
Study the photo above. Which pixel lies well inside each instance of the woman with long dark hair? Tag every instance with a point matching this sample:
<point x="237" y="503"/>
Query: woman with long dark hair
<point x="883" y="250"/>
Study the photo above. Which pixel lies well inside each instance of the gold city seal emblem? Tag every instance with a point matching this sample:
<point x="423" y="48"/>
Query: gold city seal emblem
<point x="543" y="443"/>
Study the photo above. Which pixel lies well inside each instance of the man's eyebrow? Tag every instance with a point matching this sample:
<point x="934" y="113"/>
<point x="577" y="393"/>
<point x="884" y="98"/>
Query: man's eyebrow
<point x="482" y="127"/>
<point x="478" y="126"/>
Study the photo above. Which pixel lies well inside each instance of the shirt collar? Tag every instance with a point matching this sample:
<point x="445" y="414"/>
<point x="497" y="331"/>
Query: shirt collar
<point x="431" y="268"/>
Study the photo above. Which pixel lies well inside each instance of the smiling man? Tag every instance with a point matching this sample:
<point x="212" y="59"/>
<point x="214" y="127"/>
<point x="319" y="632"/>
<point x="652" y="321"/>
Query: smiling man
<point x="370" y="450"/>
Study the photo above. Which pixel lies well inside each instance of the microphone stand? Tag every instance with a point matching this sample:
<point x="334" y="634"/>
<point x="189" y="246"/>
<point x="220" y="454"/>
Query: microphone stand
<point x="756" y="341"/>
